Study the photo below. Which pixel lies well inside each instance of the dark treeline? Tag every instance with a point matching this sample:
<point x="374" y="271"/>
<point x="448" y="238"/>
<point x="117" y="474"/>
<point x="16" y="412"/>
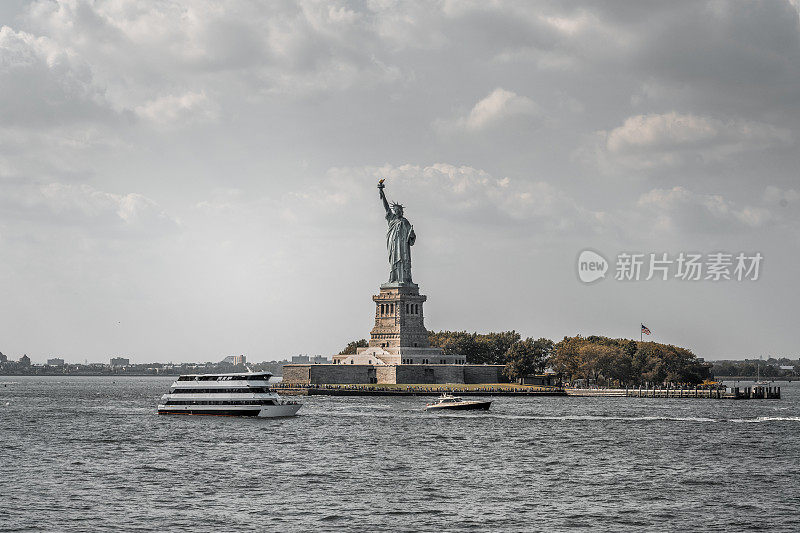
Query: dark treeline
<point x="626" y="363"/>
<point x="521" y="357"/>
<point x="599" y="360"/>
<point x="769" y="368"/>
<point x="479" y="348"/>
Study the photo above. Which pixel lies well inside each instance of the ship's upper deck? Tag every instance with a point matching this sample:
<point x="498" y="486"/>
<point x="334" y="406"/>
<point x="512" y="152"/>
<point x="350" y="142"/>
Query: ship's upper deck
<point x="235" y="376"/>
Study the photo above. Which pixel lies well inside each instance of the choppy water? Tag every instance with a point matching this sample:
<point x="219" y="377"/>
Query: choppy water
<point x="89" y="453"/>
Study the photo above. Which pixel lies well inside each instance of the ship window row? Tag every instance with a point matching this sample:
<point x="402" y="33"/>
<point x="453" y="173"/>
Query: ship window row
<point x="261" y="377"/>
<point x="244" y="390"/>
<point x="220" y="402"/>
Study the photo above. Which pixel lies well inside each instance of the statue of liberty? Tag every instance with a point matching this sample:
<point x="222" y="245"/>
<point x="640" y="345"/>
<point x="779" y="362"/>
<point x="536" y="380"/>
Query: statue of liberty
<point x="400" y="238"/>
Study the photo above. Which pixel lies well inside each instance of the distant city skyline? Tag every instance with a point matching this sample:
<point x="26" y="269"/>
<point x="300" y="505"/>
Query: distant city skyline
<point x="121" y="361"/>
<point x="181" y="181"/>
<point x="301" y="358"/>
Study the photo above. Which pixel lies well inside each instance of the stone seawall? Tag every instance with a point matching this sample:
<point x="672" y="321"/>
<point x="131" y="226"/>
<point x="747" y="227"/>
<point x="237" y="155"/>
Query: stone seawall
<point x="483" y="389"/>
<point x="308" y="374"/>
<point x="328" y="374"/>
<point x="484" y="374"/>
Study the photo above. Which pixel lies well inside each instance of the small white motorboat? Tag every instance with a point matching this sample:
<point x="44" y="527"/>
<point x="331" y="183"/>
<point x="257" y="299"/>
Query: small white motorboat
<point x="456" y="403"/>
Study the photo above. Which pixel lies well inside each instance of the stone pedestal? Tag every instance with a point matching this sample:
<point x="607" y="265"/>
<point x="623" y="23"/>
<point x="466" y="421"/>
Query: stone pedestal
<point x="399" y="336"/>
<point x="399" y="318"/>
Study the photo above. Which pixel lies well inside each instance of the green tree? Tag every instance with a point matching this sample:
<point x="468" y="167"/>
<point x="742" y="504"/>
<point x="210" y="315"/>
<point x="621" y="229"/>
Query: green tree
<point x="594" y="360"/>
<point x="498" y="344"/>
<point x="630" y="349"/>
<point x="527" y="357"/>
<point x="350" y="349"/>
<point x="621" y="368"/>
<point x="458" y="343"/>
<point x="489" y="348"/>
<point x="565" y="359"/>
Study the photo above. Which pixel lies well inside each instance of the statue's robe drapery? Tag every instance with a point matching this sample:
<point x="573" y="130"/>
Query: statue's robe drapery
<point x="399" y="239"/>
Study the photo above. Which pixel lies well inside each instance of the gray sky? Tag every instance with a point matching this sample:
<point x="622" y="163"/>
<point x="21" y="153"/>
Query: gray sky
<point x="188" y="180"/>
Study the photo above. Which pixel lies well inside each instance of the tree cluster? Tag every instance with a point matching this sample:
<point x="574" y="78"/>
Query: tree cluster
<point x="350" y="349"/>
<point x="521" y="357"/>
<point x="626" y="363"/>
<point x="479" y="348"/>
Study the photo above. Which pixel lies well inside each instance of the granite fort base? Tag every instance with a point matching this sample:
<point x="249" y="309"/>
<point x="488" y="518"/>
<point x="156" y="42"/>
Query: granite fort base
<point x="392" y="374"/>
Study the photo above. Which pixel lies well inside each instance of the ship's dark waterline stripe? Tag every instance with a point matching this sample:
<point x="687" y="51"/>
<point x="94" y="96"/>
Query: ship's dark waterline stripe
<point x="481" y="407"/>
<point x="218" y="412"/>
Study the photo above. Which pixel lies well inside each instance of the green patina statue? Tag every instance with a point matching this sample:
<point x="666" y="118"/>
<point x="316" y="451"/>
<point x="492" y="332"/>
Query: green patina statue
<point x="400" y="238"/>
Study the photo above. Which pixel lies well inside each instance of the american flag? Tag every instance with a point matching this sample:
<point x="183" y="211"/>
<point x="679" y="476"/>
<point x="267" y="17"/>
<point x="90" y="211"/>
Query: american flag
<point x="645" y="330"/>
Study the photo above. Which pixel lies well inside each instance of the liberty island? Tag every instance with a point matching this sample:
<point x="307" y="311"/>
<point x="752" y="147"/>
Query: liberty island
<point x="399" y="351"/>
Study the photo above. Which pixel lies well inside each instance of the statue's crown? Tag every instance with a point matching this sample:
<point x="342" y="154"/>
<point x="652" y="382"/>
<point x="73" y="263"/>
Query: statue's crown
<point x="395" y="204"/>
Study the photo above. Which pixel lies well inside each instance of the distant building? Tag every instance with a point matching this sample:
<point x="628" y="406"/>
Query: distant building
<point x="3" y="357"/>
<point x="320" y="360"/>
<point x="120" y="361"/>
<point x="300" y="359"/>
<point x="25" y="360"/>
<point x="55" y="362"/>
<point x="787" y="367"/>
<point x="235" y="360"/>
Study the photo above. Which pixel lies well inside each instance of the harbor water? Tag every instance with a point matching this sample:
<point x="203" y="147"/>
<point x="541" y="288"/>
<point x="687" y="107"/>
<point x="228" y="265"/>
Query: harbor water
<point x="91" y="454"/>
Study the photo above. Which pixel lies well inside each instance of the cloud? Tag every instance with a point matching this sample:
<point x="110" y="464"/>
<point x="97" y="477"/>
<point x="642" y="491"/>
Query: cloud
<point x="184" y="108"/>
<point x="43" y="84"/>
<point x="470" y="197"/>
<point x="681" y="211"/>
<point x="54" y="110"/>
<point x="82" y="208"/>
<point x="147" y="52"/>
<point x="500" y="104"/>
<point x="673" y="139"/>
<point x="750" y="43"/>
<point x="776" y="196"/>
<point x="498" y="107"/>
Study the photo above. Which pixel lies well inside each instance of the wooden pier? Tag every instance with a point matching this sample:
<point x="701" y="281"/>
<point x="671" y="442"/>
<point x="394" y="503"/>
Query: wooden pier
<point x="735" y="393"/>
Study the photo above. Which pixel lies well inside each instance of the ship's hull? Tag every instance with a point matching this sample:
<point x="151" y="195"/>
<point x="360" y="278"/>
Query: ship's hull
<point x="266" y="411"/>
<point x="460" y="406"/>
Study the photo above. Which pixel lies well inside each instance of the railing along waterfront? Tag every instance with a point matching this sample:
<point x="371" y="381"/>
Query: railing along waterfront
<point x="503" y="389"/>
<point x="734" y="393"/>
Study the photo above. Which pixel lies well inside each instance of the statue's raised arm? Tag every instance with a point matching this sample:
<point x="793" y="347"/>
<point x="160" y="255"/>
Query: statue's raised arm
<point x="381" y="186"/>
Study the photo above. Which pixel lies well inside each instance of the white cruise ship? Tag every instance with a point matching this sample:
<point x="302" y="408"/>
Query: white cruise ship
<point x="240" y="394"/>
